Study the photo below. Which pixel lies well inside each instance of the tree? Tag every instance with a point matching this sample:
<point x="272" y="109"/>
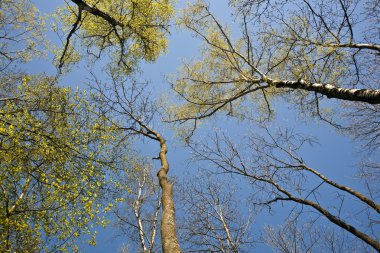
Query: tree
<point x="300" y="50"/>
<point x="21" y="36"/>
<point x="212" y="217"/>
<point x="139" y="218"/>
<point x="124" y="31"/>
<point x="55" y="165"/>
<point x="60" y="154"/>
<point x="273" y="166"/>
<point x="129" y="110"/>
<point x="138" y="32"/>
<point x="297" y="51"/>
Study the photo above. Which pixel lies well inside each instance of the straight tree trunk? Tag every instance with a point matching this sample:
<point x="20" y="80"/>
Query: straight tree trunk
<point x="331" y="91"/>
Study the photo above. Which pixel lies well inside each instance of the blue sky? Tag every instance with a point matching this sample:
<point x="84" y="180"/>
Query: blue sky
<point x="336" y="155"/>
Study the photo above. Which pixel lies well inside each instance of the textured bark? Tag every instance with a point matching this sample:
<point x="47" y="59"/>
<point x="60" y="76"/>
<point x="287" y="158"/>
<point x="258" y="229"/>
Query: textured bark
<point x="168" y="227"/>
<point x="169" y="239"/>
<point x="331" y="91"/>
<point x="359" y="46"/>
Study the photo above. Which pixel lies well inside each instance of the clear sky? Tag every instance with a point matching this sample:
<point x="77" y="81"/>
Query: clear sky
<point x="336" y="155"/>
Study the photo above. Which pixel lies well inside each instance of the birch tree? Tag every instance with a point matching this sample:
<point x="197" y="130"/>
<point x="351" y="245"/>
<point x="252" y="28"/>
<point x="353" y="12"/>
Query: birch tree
<point x="303" y="51"/>
<point x="214" y="218"/>
<point x="139" y="217"/>
<point x="296" y="53"/>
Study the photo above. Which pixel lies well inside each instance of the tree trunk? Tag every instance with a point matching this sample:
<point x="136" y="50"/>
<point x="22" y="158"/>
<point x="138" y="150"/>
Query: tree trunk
<point x="331" y="91"/>
<point x="168" y="227"/>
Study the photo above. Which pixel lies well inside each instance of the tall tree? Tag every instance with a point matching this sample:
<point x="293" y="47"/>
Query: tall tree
<point x="55" y="165"/>
<point x="139" y="218"/>
<point x="301" y="50"/>
<point x="297" y="51"/>
<point x="213" y="217"/>
<point x="129" y="110"/>
<point x="59" y="154"/>
<point x="275" y="169"/>
<point x="133" y="31"/>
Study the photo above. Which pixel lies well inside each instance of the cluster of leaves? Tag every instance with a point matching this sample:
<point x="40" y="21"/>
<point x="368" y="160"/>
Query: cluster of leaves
<point x="279" y="41"/>
<point x="60" y="156"/>
<point x="62" y="160"/>
<point x="21" y="36"/>
<point x="124" y="31"/>
<point x="56" y="159"/>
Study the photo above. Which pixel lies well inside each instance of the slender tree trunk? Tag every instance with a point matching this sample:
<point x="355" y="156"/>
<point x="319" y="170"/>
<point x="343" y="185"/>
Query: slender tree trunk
<point x="169" y="239"/>
<point x="331" y="91"/>
<point x="168" y="227"/>
<point x="136" y="210"/>
<point x="227" y="230"/>
<point x="153" y="235"/>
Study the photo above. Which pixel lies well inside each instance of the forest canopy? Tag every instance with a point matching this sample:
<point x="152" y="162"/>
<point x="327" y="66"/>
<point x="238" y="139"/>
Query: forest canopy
<point x="264" y="137"/>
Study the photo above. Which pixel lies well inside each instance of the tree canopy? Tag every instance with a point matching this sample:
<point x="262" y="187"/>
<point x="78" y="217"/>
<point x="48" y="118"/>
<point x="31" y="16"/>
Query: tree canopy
<point x="55" y="165"/>
<point x="263" y="81"/>
<point x="301" y="50"/>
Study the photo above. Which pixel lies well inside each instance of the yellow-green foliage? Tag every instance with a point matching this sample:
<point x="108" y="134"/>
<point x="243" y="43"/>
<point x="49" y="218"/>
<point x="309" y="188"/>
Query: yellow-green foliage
<point x="54" y="156"/>
<point x="296" y="53"/>
<point x="231" y="73"/>
<point x="57" y="151"/>
<point x="21" y="32"/>
<point x="140" y="33"/>
<point x="221" y="72"/>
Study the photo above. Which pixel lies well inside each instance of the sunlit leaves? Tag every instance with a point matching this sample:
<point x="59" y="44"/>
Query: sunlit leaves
<point x="21" y="32"/>
<point x="311" y="42"/>
<point x="128" y="31"/>
<point x="56" y="162"/>
<point x="222" y="77"/>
